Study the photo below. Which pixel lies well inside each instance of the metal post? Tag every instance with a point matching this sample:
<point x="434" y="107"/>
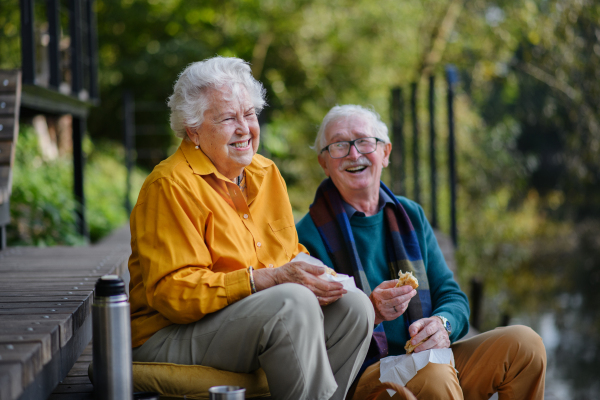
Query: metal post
<point x="92" y="38"/>
<point x="398" y="163"/>
<point x="53" y="10"/>
<point x="79" y="126"/>
<point x="76" y="47"/>
<point x="432" y="158"/>
<point x="2" y="237"/>
<point x="452" y="78"/>
<point x="27" y="43"/>
<point x="415" y="144"/>
<point x="129" y="141"/>
<point x="476" y="302"/>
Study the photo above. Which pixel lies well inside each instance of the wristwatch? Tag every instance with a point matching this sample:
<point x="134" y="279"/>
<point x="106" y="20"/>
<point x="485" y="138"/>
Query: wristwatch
<point x="445" y="323"/>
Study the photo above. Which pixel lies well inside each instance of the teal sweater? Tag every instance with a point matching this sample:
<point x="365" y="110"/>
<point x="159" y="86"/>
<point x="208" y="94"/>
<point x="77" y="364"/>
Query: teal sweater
<point x="369" y="234"/>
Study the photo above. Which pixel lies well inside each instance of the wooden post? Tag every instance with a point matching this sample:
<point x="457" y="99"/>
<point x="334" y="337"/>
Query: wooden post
<point x="452" y="78"/>
<point x="397" y="156"/>
<point x="129" y="141"/>
<point x="79" y="127"/>
<point x="92" y="43"/>
<point x="76" y="47"/>
<point x="476" y="302"/>
<point x="53" y="10"/>
<point x="432" y="158"/>
<point x="27" y="42"/>
<point x="415" y="144"/>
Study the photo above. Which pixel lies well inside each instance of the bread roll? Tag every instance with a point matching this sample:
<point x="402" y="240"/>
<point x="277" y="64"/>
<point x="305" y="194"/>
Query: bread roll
<point x="407" y="278"/>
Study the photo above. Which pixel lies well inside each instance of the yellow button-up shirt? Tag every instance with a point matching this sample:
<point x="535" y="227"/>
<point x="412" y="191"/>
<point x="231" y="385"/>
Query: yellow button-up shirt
<point x="194" y="235"/>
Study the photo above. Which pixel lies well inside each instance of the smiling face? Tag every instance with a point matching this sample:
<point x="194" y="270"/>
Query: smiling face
<point x="356" y="175"/>
<point x="229" y="134"/>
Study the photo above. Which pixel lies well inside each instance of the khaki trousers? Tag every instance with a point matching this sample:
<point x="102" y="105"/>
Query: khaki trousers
<point x="306" y="351"/>
<point x="510" y="361"/>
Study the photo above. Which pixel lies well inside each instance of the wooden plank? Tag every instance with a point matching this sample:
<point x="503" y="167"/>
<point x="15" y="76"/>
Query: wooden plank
<point x="9" y="80"/>
<point x="49" y="342"/>
<point x="7" y="128"/>
<point x="76" y="379"/>
<point x="74" y="388"/>
<point x="17" y="298"/>
<point x="15" y="324"/>
<point x="66" y="293"/>
<point x="71" y="396"/>
<point x="7" y="103"/>
<point x="29" y="355"/>
<point x="6" y="150"/>
<point x="11" y="380"/>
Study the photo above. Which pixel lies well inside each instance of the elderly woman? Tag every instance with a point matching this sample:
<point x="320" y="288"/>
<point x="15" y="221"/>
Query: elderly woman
<point x="212" y="235"/>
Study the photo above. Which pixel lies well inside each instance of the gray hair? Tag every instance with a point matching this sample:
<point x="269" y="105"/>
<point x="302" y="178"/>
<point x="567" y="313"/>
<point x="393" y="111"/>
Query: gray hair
<point x="378" y="128"/>
<point x="189" y="100"/>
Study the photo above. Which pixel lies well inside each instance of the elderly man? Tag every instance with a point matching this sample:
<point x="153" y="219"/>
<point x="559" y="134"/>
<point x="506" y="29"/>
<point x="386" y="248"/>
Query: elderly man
<point x="212" y="235"/>
<point x="357" y="226"/>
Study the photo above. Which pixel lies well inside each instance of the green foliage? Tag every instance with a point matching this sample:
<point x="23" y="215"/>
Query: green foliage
<point x="42" y="202"/>
<point x="42" y="206"/>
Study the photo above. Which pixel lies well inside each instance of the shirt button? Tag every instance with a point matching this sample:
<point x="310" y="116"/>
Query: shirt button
<point x="270" y="265"/>
<point x="245" y="216"/>
<point x="258" y="244"/>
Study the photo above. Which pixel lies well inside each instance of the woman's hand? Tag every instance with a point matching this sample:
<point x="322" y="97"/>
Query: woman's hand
<point x="303" y="274"/>
<point x="431" y="328"/>
<point x="389" y="301"/>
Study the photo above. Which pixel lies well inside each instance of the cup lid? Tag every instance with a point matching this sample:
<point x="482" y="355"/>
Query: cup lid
<point x="109" y="285"/>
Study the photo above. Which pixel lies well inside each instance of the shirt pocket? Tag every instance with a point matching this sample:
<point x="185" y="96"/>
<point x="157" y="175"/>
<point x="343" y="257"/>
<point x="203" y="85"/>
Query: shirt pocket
<point x="285" y="233"/>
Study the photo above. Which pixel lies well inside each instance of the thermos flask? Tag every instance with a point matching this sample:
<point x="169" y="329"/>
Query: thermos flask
<point x="111" y="340"/>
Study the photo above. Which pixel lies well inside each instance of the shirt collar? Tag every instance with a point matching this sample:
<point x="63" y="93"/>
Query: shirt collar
<point x="384" y="199"/>
<point x="202" y="165"/>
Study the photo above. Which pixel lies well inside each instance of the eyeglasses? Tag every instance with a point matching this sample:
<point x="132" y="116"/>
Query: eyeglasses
<point x="342" y="149"/>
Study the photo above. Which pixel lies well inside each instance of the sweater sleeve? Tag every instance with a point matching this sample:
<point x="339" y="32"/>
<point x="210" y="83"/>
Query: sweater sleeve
<point x="447" y="298"/>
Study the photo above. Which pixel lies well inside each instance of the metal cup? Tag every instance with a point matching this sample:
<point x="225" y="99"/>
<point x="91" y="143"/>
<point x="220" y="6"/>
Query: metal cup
<point x="226" y="393"/>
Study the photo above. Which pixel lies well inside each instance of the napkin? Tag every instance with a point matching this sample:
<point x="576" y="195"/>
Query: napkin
<point x="401" y="369"/>
<point x="345" y="280"/>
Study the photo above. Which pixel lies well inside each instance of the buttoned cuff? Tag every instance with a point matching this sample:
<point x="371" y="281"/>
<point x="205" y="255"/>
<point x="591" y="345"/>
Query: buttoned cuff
<point x="237" y="285"/>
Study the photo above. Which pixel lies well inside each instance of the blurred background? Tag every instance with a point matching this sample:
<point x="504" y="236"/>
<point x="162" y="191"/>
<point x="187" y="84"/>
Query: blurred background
<point x="525" y="81"/>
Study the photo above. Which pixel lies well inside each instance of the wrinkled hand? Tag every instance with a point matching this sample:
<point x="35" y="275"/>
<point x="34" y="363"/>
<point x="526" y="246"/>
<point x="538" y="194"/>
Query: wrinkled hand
<point x="429" y="327"/>
<point x="303" y="274"/>
<point x="389" y="301"/>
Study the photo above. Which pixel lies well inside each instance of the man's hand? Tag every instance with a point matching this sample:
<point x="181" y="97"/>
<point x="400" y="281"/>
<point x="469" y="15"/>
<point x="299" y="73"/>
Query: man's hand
<point x="389" y="301"/>
<point x="303" y="274"/>
<point x="431" y="328"/>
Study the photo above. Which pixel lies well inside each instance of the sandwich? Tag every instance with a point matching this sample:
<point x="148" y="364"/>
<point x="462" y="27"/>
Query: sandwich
<point x="410" y="347"/>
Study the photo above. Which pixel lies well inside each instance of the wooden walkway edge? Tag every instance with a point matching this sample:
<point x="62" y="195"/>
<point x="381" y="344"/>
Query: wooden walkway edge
<point x="45" y="311"/>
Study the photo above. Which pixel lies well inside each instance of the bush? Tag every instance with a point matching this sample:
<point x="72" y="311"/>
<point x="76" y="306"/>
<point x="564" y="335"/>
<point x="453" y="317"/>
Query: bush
<point x="42" y="204"/>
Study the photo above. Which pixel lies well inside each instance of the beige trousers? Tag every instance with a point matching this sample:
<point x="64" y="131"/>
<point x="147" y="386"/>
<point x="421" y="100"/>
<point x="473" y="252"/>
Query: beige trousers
<point x="510" y="361"/>
<point x="306" y="351"/>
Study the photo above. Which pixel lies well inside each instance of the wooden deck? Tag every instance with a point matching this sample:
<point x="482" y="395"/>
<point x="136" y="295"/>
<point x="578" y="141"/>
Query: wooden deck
<point x="45" y="313"/>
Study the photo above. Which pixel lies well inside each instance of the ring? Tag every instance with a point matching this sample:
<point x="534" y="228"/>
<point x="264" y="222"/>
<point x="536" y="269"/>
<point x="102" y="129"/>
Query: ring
<point x="395" y="309"/>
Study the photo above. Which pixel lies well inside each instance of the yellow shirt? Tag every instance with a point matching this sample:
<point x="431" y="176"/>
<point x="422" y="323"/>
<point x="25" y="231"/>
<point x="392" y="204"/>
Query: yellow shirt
<point x="193" y="236"/>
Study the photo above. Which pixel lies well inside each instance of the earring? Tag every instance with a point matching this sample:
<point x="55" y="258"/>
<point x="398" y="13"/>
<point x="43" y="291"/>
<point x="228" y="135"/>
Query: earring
<point x="197" y="147"/>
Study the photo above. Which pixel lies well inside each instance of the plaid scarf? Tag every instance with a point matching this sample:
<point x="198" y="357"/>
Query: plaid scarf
<point x="403" y="254"/>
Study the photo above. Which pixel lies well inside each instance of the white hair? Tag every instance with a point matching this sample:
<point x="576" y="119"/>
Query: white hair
<point x="378" y="128"/>
<point x="189" y="100"/>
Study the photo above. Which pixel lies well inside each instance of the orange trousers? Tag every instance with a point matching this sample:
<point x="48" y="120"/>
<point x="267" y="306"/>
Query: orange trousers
<point x="509" y="360"/>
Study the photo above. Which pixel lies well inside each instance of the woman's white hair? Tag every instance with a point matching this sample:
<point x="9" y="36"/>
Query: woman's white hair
<point x="378" y="128"/>
<point x="189" y="100"/>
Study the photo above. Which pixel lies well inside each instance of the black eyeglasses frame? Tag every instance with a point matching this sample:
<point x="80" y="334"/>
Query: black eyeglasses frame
<point x="351" y="143"/>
